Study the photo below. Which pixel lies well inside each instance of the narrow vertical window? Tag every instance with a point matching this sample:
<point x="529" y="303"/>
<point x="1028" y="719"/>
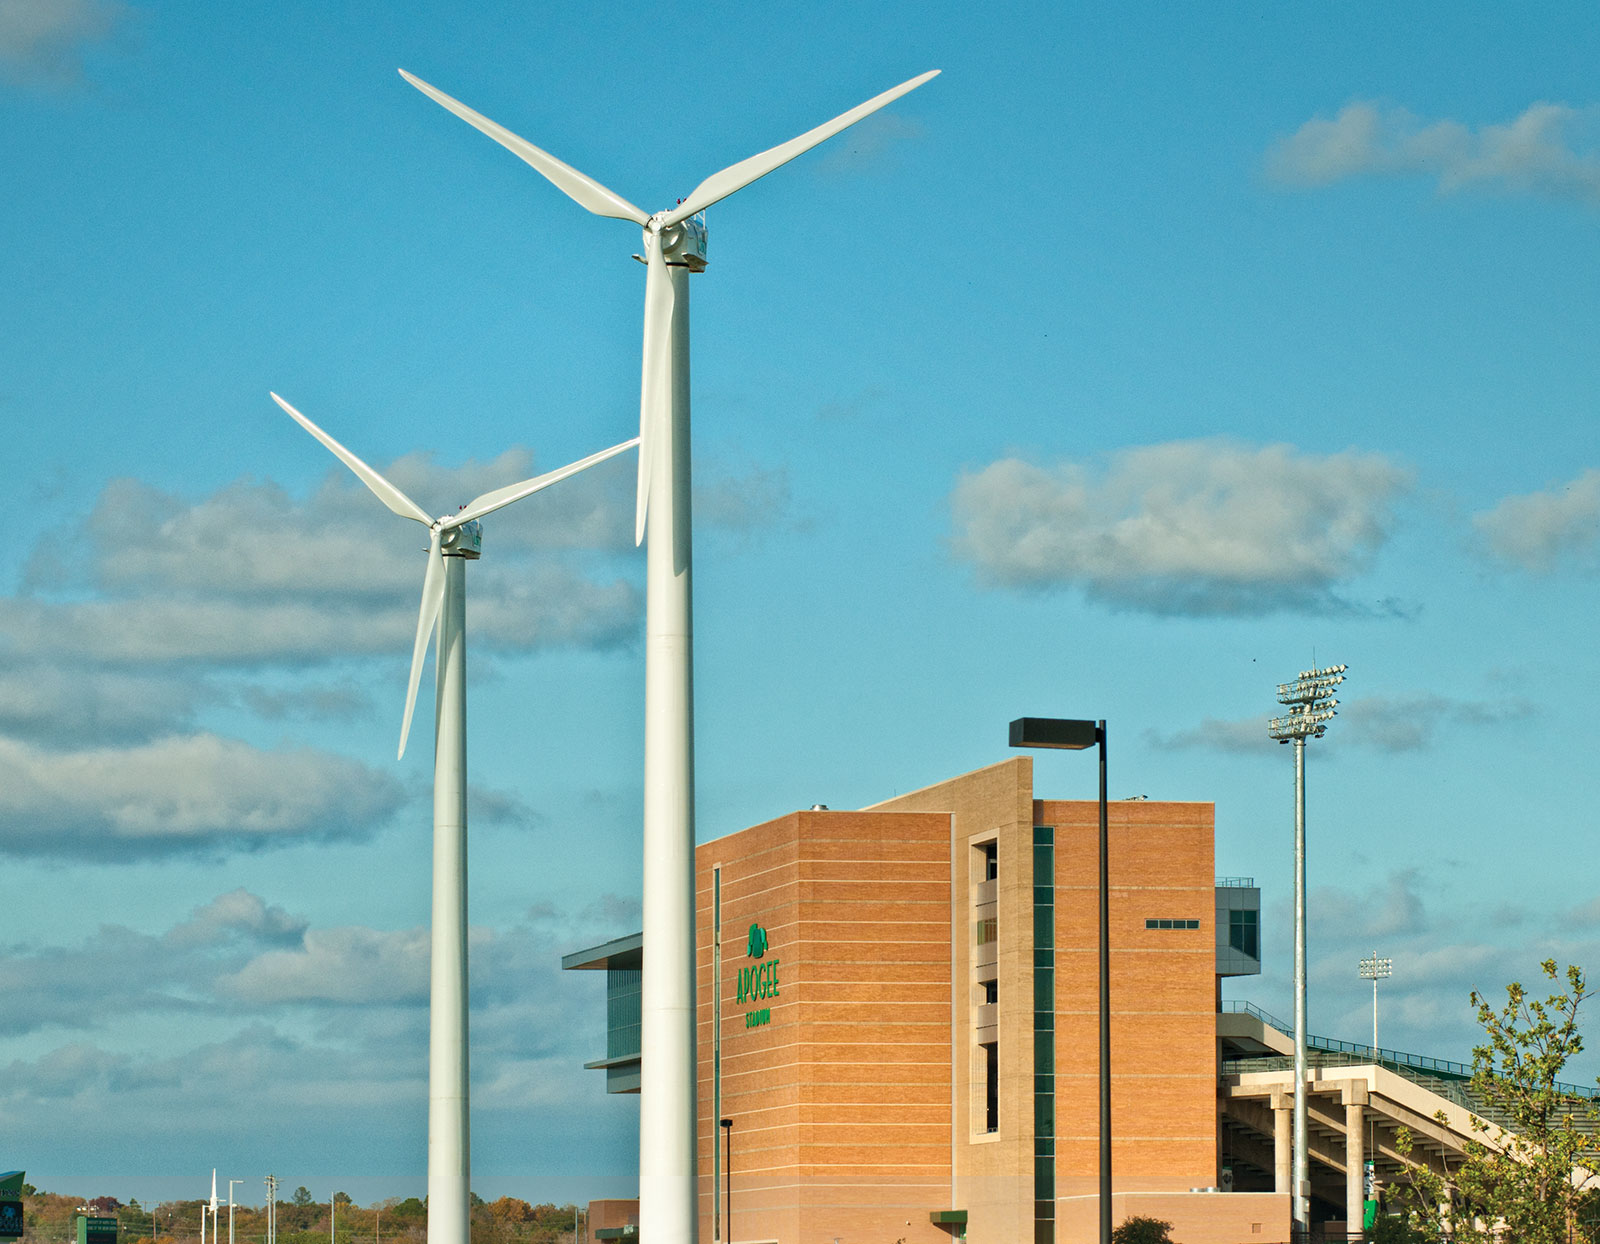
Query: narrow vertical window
<point x="991" y="1087"/>
<point x="1044" y="1034"/>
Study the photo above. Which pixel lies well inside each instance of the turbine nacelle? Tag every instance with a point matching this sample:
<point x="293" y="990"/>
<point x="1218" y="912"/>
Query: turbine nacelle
<point x="682" y="244"/>
<point x="465" y="540"/>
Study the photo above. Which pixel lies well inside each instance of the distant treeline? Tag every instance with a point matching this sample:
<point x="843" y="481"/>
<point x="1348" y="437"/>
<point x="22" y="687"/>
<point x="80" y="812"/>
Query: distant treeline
<point x="50" y="1218"/>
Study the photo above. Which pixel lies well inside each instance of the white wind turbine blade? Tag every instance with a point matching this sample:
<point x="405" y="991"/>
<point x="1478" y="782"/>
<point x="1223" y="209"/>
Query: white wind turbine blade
<point x="737" y="176"/>
<point x="432" y="600"/>
<point x="654" y="399"/>
<point x="581" y="188"/>
<point x="501" y="497"/>
<point x="386" y="492"/>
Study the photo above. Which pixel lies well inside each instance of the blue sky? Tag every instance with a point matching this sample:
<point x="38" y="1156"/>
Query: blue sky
<point x="1139" y="360"/>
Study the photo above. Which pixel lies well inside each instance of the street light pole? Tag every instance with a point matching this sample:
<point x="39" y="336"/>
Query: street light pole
<point x="1076" y="735"/>
<point x="1375" y="970"/>
<point x="727" y="1130"/>
<point x="1311" y="706"/>
<point x="231" y="1182"/>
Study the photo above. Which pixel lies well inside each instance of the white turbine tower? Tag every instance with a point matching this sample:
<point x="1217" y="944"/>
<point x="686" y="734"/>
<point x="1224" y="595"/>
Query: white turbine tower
<point x="453" y="540"/>
<point x="674" y="246"/>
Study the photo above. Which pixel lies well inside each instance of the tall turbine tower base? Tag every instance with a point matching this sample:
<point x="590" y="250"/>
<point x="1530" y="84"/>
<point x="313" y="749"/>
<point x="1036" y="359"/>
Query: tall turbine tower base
<point x="449" y="1134"/>
<point x="668" y="1200"/>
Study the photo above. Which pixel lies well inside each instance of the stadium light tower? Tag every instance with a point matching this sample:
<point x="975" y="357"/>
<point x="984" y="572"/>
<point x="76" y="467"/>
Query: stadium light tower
<point x="1375" y="969"/>
<point x="1311" y="706"/>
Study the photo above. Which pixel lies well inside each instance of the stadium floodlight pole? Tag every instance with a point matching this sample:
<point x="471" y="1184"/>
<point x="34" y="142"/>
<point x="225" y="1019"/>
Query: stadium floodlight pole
<point x="1311" y="706"/>
<point x="1375" y="970"/>
<point x="1074" y="735"/>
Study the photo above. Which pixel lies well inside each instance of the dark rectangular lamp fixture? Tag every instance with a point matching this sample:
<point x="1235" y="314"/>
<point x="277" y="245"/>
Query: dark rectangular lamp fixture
<point x="1053" y="732"/>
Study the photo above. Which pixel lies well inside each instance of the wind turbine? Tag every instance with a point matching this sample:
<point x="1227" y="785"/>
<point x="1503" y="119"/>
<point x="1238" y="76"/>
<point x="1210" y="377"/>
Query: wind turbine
<point x="453" y="540"/>
<point x="674" y="246"/>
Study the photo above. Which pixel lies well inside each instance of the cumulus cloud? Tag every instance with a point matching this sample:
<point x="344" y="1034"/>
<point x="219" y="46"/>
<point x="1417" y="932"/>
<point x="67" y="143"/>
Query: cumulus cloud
<point x="741" y="501"/>
<point x="1544" y="531"/>
<point x="1392" y="723"/>
<point x="317" y="1032"/>
<point x="1188" y="527"/>
<point x="1244" y="735"/>
<point x="251" y="575"/>
<point x="1551" y="150"/>
<point x="43" y="41"/>
<point x="235" y="915"/>
<point x="157" y="610"/>
<point x="351" y="966"/>
<point x="1404" y="723"/>
<point x="177" y="794"/>
<point x="116" y="974"/>
<point x="61" y="702"/>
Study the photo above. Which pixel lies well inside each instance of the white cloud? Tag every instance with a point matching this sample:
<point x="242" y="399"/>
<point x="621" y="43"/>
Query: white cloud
<point x="741" y="500"/>
<point x="156" y="609"/>
<point x="313" y="1033"/>
<point x="62" y="702"/>
<point x="1245" y="735"/>
<point x="1391" y="723"/>
<point x="181" y="794"/>
<point x="1188" y="527"/>
<point x="43" y="40"/>
<point x="1402" y="723"/>
<point x="1542" y="531"/>
<point x="250" y="575"/>
<point x="345" y="966"/>
<point x="251" y="538"/>
<point x="236" y="914"/>
<point x="117" y="974"/>
<point x="1550" y="149"/>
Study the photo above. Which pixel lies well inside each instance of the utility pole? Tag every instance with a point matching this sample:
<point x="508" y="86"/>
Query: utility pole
<point x="272" y="1209"/>
<point x="1311" y="706"/>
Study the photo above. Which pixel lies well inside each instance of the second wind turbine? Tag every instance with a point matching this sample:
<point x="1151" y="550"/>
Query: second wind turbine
<point x="453" y="540"/>
<point x="674" y="246"/>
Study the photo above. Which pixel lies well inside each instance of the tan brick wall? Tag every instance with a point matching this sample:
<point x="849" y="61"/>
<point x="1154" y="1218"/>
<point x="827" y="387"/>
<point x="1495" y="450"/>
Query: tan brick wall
<point x="842" y="1103"/>
<point x="1163" y="994"/>
<point x="994" y="1173"/>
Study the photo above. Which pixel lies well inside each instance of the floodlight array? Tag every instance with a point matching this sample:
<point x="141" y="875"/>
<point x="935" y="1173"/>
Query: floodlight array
<point x="1310" y="702"/>
<point x="1374" y="968"/>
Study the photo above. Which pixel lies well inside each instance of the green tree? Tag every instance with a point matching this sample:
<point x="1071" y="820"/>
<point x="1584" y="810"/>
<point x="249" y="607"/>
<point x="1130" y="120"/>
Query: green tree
<point x="1418" y="1199"/>
<point x="1525" y="1183"/>
<point x="1526" y="1172"/>
<point x="302" y="1196"/>
<point x="1141" y="1230"/>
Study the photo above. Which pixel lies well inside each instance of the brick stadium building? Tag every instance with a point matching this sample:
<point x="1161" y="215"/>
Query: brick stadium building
<point x="903" y="1004"/>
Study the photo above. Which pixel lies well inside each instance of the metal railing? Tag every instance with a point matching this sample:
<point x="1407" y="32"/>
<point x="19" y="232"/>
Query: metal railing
<point x="1436" y="1068"/>
<point x="1236" y="883"/>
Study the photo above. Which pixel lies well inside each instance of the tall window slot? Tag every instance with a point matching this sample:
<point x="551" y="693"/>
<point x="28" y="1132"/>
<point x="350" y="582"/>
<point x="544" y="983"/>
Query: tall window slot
<point x="983" y="993"/>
